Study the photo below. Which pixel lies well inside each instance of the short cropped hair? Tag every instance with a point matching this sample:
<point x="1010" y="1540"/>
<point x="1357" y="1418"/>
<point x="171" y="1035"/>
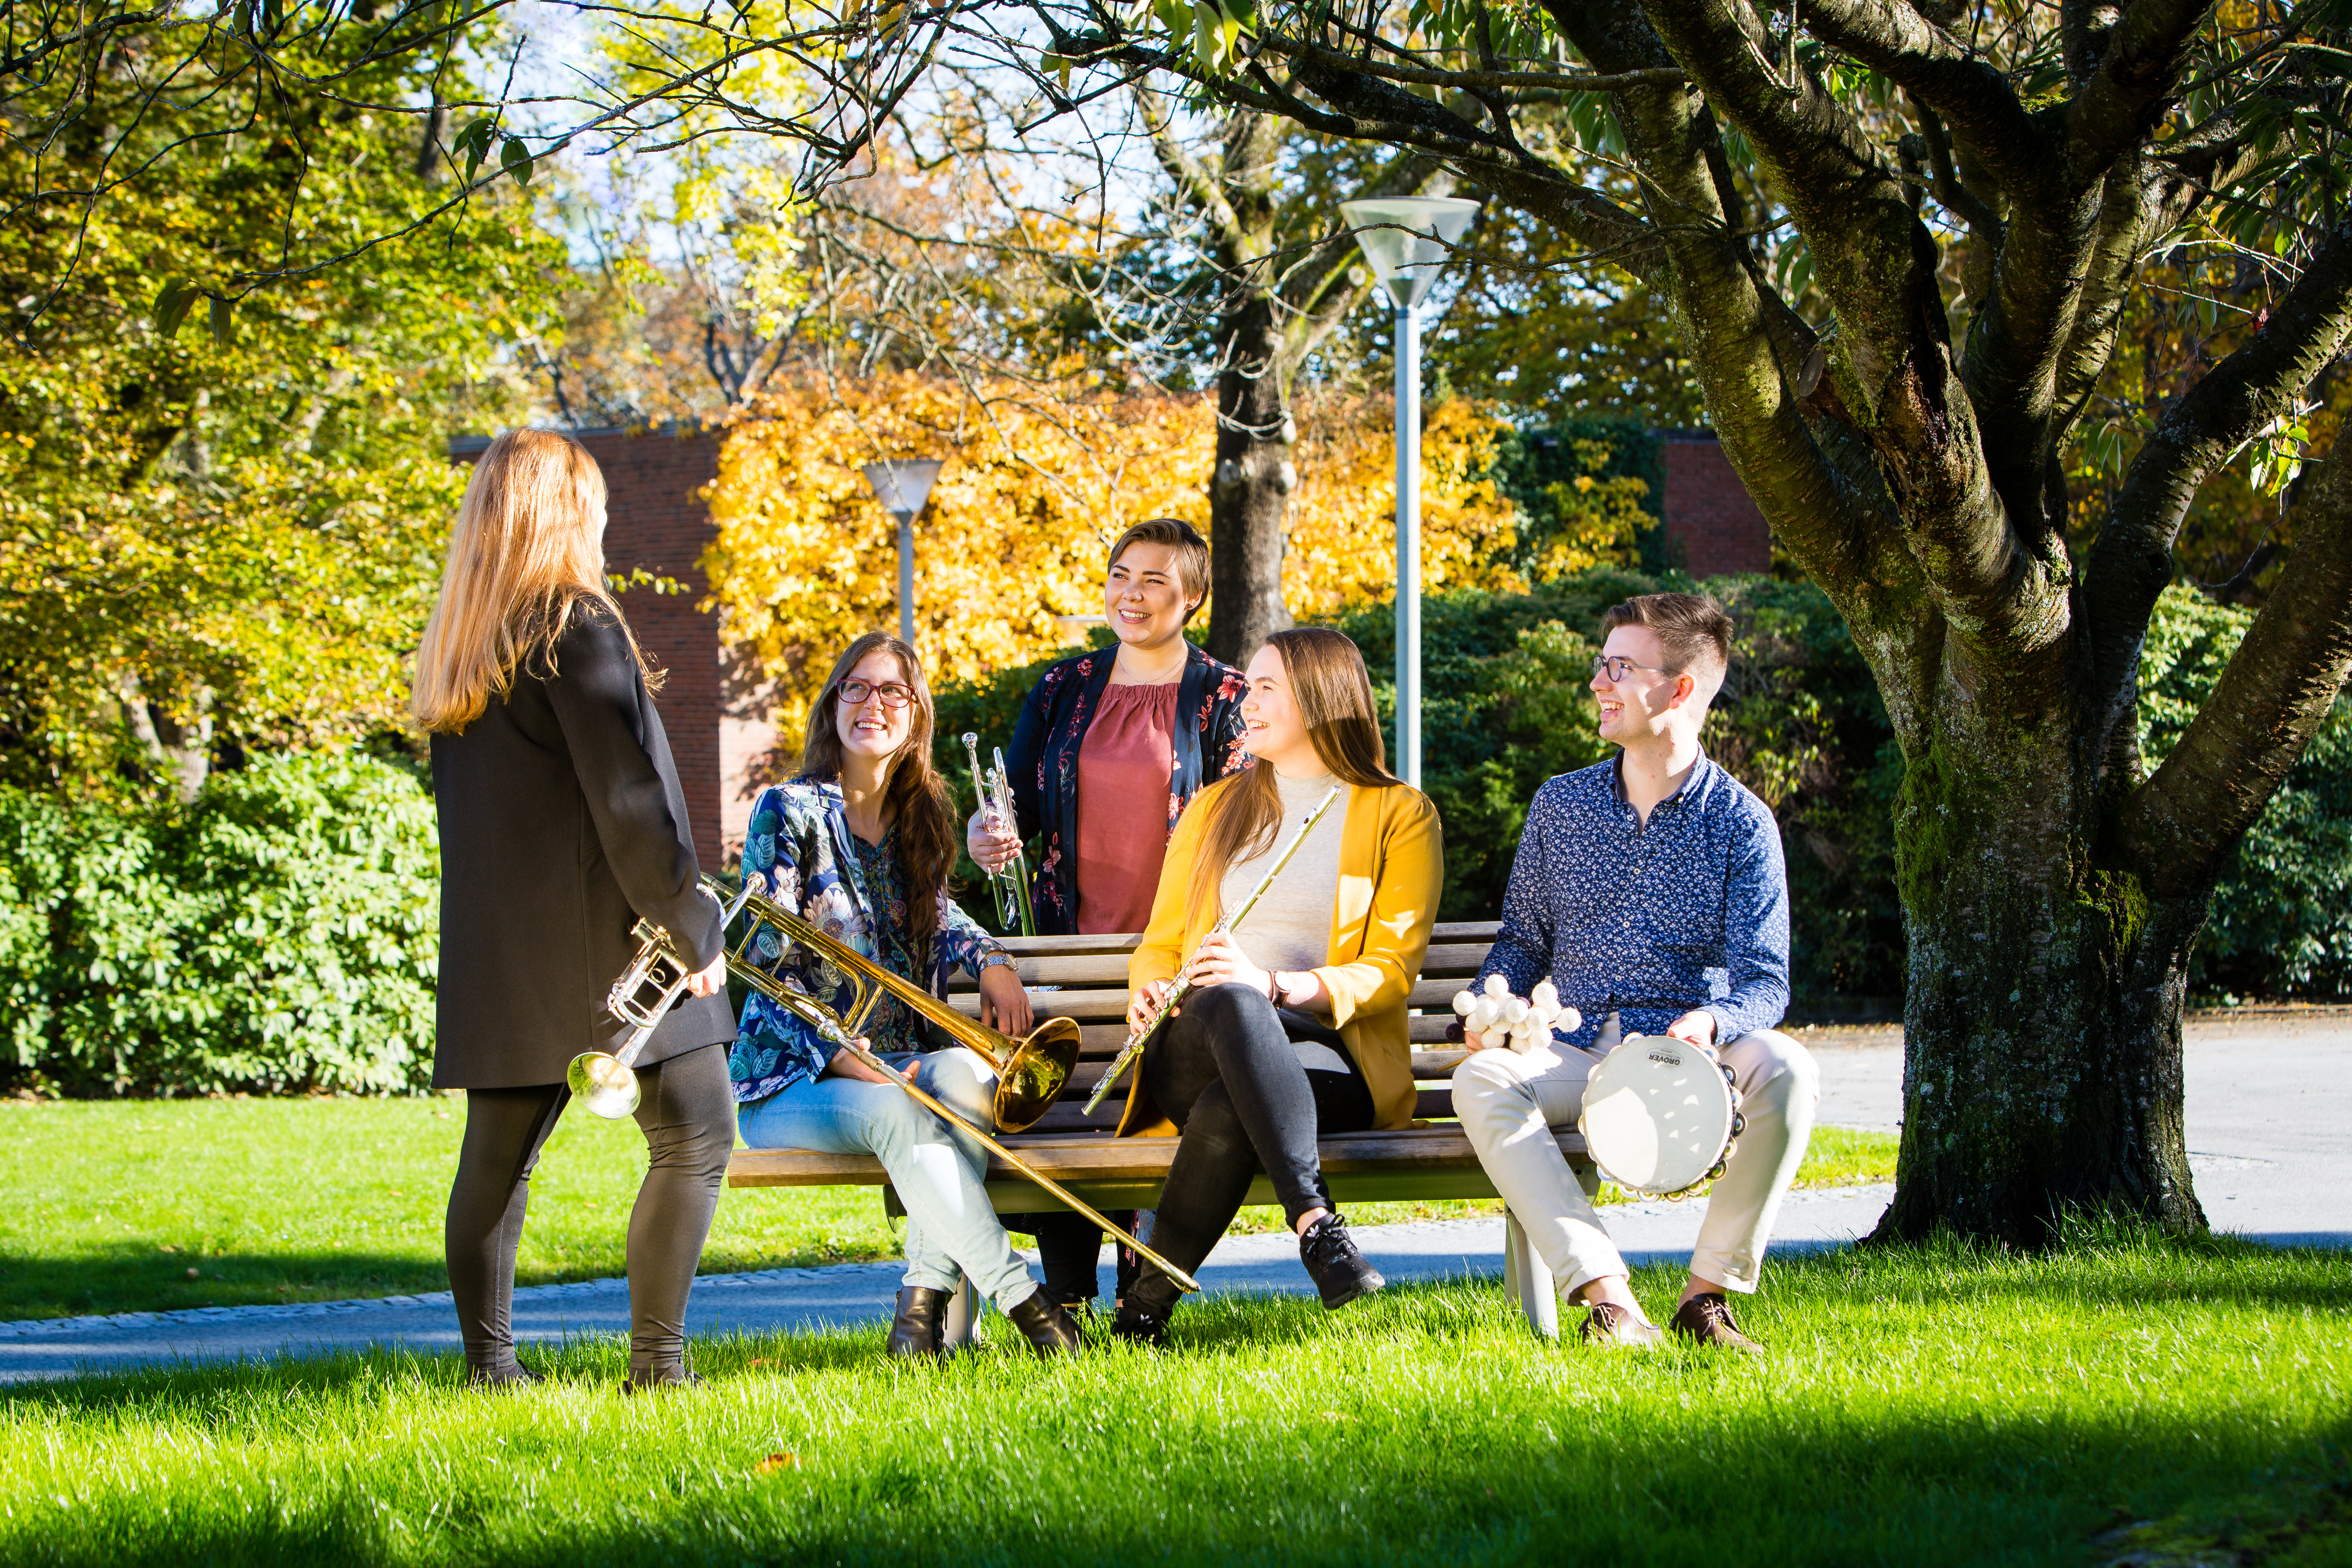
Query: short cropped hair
<point x="1693" y="629"/>
<point x="1191" y="554"/>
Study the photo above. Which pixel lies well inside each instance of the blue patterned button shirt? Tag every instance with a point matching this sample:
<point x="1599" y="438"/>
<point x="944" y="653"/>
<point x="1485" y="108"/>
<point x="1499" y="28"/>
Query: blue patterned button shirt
<point x="801" y="853"/>
<point x="1650" y="922"/>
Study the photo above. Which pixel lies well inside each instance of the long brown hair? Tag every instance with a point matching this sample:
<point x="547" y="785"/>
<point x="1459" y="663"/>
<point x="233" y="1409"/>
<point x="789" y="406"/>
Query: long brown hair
<point x="527" y="550"/>
<point x="1334" y="694"/>
<point x="914" y="799"/>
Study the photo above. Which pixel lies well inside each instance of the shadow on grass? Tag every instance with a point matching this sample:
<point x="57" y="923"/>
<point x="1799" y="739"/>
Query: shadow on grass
<point x="99" y="1278"/>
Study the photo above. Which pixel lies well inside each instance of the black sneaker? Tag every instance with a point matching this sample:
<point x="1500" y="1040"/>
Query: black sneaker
<point x="1338" y="1270"/>
<point x="1138" y="1324"/>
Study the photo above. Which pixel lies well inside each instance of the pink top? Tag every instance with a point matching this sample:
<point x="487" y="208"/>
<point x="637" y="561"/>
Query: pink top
<point x="1124" y="764"/>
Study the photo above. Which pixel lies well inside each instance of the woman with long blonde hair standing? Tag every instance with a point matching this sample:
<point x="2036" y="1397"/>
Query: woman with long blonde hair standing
<point x="562" y="823"/>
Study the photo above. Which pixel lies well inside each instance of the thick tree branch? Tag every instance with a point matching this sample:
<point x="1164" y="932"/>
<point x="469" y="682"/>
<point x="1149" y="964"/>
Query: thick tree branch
<point x="2137" y="72"/>
<point x="2132" y="560"/>
<point x="1878" y="267"/>
<point x="1964" y="90"/>
<point x="2180" y="828"/>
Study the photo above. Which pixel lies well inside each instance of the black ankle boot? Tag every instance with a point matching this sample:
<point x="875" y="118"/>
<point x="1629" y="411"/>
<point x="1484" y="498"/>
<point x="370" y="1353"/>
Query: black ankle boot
<point x="1045" y="1325"/>
<point x="921" y="1320"/>
<point x="1338" y="1270"/>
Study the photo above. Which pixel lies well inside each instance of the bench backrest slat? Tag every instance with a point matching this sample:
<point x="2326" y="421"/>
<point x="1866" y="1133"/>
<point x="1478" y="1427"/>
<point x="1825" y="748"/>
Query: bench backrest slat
<point x="1089" y="975"/>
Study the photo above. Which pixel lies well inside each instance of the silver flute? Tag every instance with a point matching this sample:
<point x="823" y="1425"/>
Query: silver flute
<point x="1226" y="922"/>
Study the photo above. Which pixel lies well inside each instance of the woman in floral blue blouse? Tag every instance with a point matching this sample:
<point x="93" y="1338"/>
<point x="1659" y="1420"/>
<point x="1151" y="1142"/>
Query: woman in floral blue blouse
<point x="861" y="843"/>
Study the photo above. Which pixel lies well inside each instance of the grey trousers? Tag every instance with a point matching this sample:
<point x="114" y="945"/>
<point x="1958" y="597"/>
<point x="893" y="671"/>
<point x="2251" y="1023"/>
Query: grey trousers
<point x="688" y="1115"/>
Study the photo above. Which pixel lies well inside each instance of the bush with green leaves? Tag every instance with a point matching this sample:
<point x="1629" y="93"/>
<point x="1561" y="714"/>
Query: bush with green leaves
<point x="279" y="933"/>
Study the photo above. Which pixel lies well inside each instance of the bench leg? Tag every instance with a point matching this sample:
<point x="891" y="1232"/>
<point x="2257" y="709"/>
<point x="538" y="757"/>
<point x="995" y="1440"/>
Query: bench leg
<point x="1525" y="1276"/>
<point x="962" y="1324"/>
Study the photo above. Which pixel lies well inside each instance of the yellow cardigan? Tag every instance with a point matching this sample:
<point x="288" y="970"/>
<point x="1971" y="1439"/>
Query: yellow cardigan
<point x="1391" y="870"/>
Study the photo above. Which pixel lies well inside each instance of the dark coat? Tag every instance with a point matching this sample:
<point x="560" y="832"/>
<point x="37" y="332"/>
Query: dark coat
<point x="561" y="822"/>
<point x="1043" y="762"/>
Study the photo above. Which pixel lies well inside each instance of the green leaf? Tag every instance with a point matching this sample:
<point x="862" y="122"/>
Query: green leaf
<point x="515" y="159"/>
<point x="473" y="142"/>
<point x="171" y="304"/>
<point x="224" y="313"/>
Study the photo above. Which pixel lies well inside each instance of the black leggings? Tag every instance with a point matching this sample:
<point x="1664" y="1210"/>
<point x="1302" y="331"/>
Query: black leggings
<point x="1252" y="1089"/>
<point x="688" y="1115"/>
<point x="1069" y="1246"/>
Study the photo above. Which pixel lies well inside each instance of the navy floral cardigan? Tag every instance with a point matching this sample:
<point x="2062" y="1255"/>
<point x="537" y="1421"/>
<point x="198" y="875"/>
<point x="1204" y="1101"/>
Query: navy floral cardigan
<point x="1043" y="761"/>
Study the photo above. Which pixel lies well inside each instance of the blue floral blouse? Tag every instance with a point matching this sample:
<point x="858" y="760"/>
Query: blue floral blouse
<point x="800" y="852"/>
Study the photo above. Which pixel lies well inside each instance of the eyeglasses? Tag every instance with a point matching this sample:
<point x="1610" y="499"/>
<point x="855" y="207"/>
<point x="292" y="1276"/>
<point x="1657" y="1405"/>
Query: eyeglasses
<point x="1619" y="666"/>
<point x="855" y="692"/>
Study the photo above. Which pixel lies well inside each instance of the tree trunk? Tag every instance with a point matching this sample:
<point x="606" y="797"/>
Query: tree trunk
<point x="2041" y="1031"/>
<point x="1250" y="491"/>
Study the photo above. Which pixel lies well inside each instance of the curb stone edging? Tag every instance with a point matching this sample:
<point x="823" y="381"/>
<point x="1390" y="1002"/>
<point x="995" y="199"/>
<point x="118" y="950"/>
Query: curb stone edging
<point x="46" y="1328"/>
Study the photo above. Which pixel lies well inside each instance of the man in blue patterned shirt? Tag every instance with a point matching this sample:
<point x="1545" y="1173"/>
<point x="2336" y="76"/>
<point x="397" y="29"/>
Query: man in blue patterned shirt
<point x="1650" y="890"/>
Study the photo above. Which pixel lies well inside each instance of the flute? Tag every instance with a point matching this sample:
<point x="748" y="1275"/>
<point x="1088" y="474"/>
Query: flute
<point x="1226" y="922"/>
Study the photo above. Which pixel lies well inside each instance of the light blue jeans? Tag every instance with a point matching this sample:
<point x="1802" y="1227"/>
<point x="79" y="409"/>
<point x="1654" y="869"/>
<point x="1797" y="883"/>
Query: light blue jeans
<point x="952" y="1233"/>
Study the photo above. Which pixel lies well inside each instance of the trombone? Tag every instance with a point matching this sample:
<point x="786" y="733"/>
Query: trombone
<point x="1030" y="1071"/>
<point x="1012" y="883"/>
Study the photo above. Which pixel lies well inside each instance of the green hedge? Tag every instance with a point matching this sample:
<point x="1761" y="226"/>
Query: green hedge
<point x="1505" y="707"/>
<point x="279" y="935"/>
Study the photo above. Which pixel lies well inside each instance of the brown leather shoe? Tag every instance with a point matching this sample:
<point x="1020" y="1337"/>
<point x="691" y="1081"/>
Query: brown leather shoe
<point x="1046" y="1327"/>
<point x="1707" y="1320"/>
<point x="1609" y="1325"/>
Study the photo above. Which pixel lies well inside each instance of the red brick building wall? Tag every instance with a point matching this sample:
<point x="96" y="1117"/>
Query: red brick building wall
<point x="1709" y="515"/>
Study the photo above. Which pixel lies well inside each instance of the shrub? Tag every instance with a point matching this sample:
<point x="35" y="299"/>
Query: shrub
<point x="278" y="934"/>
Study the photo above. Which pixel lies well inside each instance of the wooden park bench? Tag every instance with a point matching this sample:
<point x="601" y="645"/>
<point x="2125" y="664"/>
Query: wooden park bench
<point x="1084" y="978"/>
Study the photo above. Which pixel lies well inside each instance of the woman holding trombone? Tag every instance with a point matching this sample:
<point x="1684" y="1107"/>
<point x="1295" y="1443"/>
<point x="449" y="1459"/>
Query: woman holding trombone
<point x="860" y="844"/>
<point x="561" y="821"/>
<point x="1110" y="748"/>
<point x="1292" y="1022"/>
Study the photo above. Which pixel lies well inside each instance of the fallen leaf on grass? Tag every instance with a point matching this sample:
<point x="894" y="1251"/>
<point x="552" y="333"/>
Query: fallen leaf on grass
<point x="191" y="1274"/>
<point x="774" y="1462"/>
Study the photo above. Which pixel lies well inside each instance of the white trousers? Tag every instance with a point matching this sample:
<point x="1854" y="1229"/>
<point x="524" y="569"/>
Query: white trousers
<point x="1510" y="1105"/>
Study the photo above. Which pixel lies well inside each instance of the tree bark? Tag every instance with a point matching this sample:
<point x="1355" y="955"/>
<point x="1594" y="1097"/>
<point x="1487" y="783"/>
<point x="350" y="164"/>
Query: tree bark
<point x="2042" y="1029"/>
<point x="1249" y="493"/>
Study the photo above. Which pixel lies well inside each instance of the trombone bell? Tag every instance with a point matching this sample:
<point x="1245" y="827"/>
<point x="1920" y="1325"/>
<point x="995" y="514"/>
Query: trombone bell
<point x="605" y="1084"/>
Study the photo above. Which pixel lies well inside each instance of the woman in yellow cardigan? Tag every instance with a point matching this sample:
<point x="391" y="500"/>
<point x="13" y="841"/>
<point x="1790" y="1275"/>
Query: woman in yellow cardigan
<point x="1295" y="1024"/>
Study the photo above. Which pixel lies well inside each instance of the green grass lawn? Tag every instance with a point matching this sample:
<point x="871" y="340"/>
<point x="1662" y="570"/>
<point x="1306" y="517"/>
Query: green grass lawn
<point x="152" y="1205"/>
<point x="2129" y="1401"/>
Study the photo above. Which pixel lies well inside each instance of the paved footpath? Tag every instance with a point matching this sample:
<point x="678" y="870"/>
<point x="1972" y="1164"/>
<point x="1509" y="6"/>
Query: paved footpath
<point x="2269" y="1098"/>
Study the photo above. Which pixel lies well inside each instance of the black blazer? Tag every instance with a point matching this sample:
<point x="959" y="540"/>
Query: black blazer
<point x="561" y="821"/>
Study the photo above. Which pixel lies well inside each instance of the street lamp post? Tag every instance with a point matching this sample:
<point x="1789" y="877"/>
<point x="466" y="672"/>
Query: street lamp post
<point x="1405" y="239"/>
<point x="902" y="486"/>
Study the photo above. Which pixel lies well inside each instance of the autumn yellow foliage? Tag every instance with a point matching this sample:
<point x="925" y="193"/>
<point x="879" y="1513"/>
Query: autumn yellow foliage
<point x="1034" y="490"/>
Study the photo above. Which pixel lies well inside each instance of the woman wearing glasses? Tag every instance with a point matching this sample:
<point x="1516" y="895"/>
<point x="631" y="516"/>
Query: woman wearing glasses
<point x="1111" y="747"/>
<point x="861" y="843"/>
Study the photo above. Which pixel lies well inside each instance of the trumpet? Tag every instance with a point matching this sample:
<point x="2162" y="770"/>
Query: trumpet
<point x="1226" y="922"/>
<point x="1031" y="1072"/>
<point x="1012" y="884"/>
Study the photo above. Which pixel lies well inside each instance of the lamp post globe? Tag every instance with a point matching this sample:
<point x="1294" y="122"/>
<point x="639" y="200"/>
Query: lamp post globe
<point x="902" y="485"/>
<point x="1405" y="241"/>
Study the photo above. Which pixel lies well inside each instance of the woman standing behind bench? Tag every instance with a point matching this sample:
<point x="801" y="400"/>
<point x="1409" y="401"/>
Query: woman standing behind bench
<point x="1295" y="1024"/>
<point x="860" y="846"/>
<point x="1111" y="747"/>
<point x="561" y="822"/>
